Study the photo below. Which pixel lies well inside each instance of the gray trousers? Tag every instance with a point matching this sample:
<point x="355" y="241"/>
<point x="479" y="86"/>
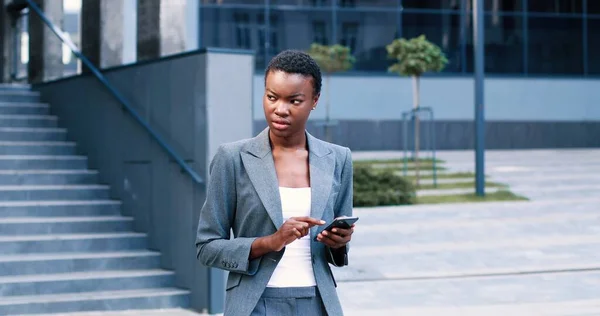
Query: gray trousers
<point x="290" y="301"/>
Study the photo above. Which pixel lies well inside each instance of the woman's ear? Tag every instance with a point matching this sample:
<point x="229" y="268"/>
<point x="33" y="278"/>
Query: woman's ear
<point x="315" y="101"/>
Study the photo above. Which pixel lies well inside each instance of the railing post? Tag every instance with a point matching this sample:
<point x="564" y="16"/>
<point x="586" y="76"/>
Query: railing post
<point x="45" y="50"/>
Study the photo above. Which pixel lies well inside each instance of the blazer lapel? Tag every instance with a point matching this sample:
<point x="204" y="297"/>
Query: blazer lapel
<point x="321" y="165"/>
<point x="260" y="167"/>
<point x="259" y="164"/>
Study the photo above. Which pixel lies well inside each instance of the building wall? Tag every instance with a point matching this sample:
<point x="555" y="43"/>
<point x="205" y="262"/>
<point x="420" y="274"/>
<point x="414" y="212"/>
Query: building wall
<point x="184" y="99"/>
<point x="521" y="112"/>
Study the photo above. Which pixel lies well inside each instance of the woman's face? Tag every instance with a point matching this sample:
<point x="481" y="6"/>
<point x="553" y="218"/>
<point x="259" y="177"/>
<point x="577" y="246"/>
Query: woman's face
<point x="288" y="101"/>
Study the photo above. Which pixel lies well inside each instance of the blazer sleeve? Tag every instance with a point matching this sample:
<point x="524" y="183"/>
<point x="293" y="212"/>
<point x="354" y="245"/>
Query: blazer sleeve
<point x="343" y="207"/>
<point x="214" y="245"/>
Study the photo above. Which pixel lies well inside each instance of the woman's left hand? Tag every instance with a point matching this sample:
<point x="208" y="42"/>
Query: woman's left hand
<point x="336" y="238"/>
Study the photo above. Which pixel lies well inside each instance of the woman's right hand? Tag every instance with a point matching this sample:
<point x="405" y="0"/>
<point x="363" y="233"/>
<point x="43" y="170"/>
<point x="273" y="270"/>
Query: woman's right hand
<point x="292" y="229"/>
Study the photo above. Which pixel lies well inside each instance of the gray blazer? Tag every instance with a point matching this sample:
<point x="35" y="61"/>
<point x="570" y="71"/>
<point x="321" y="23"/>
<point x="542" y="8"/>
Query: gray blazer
<point x="243" y="196"/>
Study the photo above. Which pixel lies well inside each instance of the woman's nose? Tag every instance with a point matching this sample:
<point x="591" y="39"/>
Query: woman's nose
<point x="282" y="109"/>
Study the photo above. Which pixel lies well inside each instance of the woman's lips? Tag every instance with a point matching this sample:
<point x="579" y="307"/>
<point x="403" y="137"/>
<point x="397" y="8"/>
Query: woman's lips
<point x="280" y="124"/>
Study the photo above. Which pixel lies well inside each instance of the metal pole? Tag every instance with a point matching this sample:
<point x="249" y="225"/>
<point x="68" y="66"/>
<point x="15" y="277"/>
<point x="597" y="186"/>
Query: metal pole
<point x="525" y="36"/>
<point x="16" y="47"/>
<point x="399" y="19"/>
<point x="334" y="23"/>
<point x="478" y="47"/>
<point x="463" y="36"/>
<point x="585" y="38"/>
<point x="267" y="30"/>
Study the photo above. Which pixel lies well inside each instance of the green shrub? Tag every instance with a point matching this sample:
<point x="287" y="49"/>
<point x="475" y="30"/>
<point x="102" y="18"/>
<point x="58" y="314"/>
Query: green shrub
<point x="377" y="188"/>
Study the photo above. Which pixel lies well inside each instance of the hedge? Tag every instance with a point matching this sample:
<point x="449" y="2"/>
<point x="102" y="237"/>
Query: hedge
<point x="373" y="187"/>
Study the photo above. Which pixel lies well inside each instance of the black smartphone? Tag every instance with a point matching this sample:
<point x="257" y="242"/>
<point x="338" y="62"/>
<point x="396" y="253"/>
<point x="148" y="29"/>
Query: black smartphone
<point x="340" y="222"/>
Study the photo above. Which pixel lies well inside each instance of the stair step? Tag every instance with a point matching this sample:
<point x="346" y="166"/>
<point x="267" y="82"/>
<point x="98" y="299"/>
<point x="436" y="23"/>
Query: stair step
<point x="59" y="208"/>
<point x="25" y="264"/>
<point x="74" y="282"/>
<point x="15" y="95"/>
<point x="72" y="243"/>
<point x="64" y="225"/>
<point x="32" y="134"/>
<point x="15" y="86"/>
<point x="30" y="120"/>
<point x="42" y="162"/>
<point x="95" y="301"/>
<point x="48" y="177"/>
<point x="53" y="192"/>
<point x="24" y="108"/>
<point x="48" y="148"/>
<point x="134" y="312"/>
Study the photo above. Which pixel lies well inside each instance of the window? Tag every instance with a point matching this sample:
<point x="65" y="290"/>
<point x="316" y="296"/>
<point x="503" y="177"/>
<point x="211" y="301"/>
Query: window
<point x="320" y="3"/>
<point x="556" y="6"/>
<point x="215" y="3"/>
<point x="271" y="36"/>
<point x="349" y="35"/>
<point x="593" y="7"/>
<point x="320" y="33"/>
<point x="347" y="3"/>
<point x="503" y="5"/>
<point x="555" y="45"/>
<point x="392" y="4"/>
<point x="440" y="29"/>
<point x="503" y="45"/>
<point x="298" y="29"/>
<point x="432" y="4"/>
<point x="242" y="30"/>
<point x="367" y="33"/>
<point x="594" y="46"/>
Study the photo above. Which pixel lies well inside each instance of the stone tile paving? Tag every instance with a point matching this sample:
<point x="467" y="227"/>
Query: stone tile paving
<point x="540" y="257"/>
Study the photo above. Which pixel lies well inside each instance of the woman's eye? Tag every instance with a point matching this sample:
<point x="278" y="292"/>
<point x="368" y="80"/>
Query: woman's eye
<point x="296" y="102"/>
<point x="271" y="98"/>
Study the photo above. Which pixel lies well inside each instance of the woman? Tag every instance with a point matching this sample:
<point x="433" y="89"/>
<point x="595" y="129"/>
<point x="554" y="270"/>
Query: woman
<point x="276" y="191"/>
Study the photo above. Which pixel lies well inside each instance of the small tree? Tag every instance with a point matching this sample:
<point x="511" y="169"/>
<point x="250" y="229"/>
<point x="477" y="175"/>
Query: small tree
<point x="331" y="59"/>
<point x="414" y="58"/>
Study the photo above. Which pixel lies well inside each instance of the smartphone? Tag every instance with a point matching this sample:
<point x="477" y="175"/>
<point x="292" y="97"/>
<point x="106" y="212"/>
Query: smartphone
<point x="340" y="222"/>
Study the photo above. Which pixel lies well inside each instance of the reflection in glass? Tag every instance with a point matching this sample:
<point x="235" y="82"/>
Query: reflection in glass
<point x="503" y="44"/>
<point x="555" y="45"/>
<point x="440" y="29"/>
<point x="367" y="33"/>
<point x="297" y="29"/>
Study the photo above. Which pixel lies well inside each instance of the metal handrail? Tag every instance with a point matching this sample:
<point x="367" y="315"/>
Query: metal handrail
<point x="66" y="40"/>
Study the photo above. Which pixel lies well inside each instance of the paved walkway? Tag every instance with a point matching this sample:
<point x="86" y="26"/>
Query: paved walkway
<point x="540" y="257"/>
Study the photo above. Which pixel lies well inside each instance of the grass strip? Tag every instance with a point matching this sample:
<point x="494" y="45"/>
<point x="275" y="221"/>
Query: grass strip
<point x="469" y="198"/>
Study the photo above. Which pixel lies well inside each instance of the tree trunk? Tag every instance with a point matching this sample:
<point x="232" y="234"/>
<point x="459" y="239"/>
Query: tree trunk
<point x="327" y="111"/>
<point x="417" y="126"/>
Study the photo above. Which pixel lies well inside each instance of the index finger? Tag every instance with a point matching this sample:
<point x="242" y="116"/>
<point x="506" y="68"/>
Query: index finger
<point x="310" y="220"/>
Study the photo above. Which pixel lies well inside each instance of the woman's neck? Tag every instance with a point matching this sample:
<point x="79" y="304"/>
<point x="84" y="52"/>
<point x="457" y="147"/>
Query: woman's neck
<point x="293" y="142"/>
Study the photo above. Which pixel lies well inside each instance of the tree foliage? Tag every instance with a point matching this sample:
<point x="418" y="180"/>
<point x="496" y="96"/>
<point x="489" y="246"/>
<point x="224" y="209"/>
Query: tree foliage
<point x="415" y="56"/>
<point x="334" y="58"/>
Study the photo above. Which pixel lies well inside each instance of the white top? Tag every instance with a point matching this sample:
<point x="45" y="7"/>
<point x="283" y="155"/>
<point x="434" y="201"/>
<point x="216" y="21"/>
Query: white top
<point x="295" y="267"/>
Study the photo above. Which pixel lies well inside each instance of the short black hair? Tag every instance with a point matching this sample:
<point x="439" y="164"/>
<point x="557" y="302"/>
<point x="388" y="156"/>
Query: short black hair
<point x="296" y="62"/>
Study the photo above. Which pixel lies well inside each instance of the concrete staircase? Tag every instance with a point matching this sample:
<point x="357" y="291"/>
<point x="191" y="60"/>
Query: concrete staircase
<point x="64" y="246"/>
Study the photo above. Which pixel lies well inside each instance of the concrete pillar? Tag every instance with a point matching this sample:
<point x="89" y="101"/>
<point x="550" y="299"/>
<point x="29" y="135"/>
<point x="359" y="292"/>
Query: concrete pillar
<point x="7" y="37"/>
<point x="102" y="33"/>
<point x="163" y="27"/>
<point x="4" y="42"/>
<point x="45" y="48"/>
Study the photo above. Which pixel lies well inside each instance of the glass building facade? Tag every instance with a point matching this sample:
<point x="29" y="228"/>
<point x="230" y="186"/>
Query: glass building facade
<point x="522" y="37"/>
